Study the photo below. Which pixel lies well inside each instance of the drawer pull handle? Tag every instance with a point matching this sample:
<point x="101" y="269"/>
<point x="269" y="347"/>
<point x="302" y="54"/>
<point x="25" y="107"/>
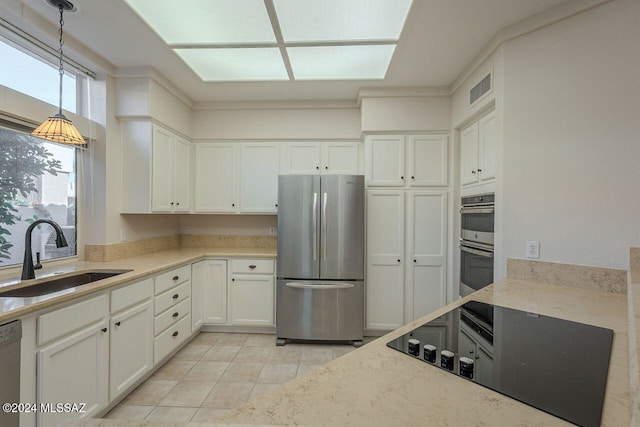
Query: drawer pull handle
<point x="175" y="334"/>
<point x="175" y="278"/>
<point x="175" y="314"/>
<point x="175" y="296"/>
<point x="104" y="329"/>
<point x="252" y="266"/>
<point x="118" y="323"/>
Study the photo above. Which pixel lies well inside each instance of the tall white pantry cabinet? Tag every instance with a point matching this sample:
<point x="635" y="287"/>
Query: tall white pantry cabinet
<point x="406" y="179"/>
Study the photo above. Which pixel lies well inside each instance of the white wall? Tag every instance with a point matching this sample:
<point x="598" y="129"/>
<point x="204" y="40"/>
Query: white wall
<point x="277" y="123"/>
<point x="229" y="225"/>
<point x="406" y="114"/>
<point x="571" y="138"/>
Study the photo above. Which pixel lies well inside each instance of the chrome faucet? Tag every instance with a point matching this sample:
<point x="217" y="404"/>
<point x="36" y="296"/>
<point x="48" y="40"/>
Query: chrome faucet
<point x="27" y="264"/>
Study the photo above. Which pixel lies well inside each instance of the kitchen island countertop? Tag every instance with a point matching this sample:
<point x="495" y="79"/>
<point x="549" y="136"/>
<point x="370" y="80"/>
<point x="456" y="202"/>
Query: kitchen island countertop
<point x="378" y="386"/>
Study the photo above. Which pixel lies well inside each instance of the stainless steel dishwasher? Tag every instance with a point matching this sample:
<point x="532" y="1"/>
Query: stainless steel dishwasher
<point x="10" y="336"/>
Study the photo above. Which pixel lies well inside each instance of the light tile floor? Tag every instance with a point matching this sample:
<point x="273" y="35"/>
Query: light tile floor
<point x="216" y="372"/>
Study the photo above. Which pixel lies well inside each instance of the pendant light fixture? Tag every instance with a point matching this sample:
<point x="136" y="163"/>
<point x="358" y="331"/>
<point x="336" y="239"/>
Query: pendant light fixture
<point x="58" y="128"/>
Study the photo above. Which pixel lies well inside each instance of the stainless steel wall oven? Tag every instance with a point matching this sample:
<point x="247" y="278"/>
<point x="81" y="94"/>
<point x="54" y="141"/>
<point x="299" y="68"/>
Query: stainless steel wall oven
<point x="476" y="242"/>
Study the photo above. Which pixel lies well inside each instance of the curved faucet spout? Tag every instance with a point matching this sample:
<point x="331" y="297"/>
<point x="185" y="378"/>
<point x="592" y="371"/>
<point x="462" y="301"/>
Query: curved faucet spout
<point x="27" y="264"/>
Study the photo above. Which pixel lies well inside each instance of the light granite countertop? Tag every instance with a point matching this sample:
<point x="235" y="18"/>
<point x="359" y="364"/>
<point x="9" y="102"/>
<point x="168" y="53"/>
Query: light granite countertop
<point x="140" y="266"/>
<point x="377" y="386"/>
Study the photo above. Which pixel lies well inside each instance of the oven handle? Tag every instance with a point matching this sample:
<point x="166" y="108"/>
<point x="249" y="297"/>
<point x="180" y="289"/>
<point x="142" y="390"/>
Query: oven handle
<point x="477" y="210"/>
<point x="476" y="252"/>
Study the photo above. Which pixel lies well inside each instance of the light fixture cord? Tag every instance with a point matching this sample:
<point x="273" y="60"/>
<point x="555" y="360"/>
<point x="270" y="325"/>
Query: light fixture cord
<point x="61" y="69"/>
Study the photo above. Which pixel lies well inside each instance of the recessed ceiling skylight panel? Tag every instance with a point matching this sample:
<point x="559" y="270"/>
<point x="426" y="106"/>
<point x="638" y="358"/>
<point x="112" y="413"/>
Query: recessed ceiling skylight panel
<point x="235" y="64"/>
<point x="201" y="22"/>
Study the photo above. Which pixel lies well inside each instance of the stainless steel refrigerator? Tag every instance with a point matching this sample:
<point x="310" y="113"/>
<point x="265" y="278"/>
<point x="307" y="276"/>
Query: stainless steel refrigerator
<point x="320" y="286"/>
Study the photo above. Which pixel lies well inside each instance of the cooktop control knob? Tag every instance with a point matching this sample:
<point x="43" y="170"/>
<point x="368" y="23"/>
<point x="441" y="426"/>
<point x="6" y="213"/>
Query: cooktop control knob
<point x="430" y="353"/>
<point x="447" y="359"/>
<point x="414" y="347"/>
<point x="466" y="367"/>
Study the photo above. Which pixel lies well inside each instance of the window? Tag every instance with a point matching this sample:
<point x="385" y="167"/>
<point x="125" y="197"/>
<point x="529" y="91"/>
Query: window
<point x="34" y="77"/>
<point x="37" y="181"/>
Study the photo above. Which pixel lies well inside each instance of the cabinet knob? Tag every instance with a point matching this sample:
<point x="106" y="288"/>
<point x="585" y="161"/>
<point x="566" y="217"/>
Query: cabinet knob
<point x="175" y="278"/>
<point x="326" y="168"/>
<point x="104" y="329"/>
<point x="172" y="203"/>
<point x="317" y="167"/>
<point x="233" y="280"/>
<point x="470" y="351"/>
<point x="233" y="205"/>
<point x="415" y="260"/>
<point x="175" y="334"/>
<point x="477" y="357"/>
<point x="276" y="205"/>
<point x="175" y="296"/>
<point x="413" y="177"/>
<point x="252" y="266"/>
<point x="473" y="172"/>
<point x="118" y="323"/>
<point x="479" y="170"/>
<point x="177" y="203"/>
<point x="402" y="177"/>
<point x="398" y="260"/>
<point x="175" y="315"/>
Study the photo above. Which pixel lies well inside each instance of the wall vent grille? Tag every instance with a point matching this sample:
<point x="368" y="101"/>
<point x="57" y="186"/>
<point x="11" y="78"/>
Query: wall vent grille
<point x="480" y="89"/>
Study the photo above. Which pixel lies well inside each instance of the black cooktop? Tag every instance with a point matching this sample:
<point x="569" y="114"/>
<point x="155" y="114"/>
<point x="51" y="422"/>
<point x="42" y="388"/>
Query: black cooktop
<point x="552" y="364"/>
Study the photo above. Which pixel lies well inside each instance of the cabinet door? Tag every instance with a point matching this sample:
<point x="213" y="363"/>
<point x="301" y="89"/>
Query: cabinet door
<point x="385" y="160"/>
<point x="427" y="160"/>
<point x="340" y="158"/>
<point x="469" y="155"/>
<point x="385" y="253"/>
<point x="487" y="147"/>
<point x="484" y="366"/>
<point x="209" y="297"/>
<point x="466" y="346"/>
<point x="215" y="177"/>
<point x="74" y="369"/>
<point x="162" y="164"/>
<point x="131" y="348"/>
<point x="182" y="176"/>
<point x="301" y="158"/>
<point x="426" y="253"/>
<point x="259" y="177"/>
<point x="251" y="299"/>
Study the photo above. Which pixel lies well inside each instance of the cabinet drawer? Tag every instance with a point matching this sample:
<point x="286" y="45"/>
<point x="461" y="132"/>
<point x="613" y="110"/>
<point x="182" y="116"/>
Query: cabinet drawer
<point x="169" y="317"/>
<point x="171" y="278"/>
<point x="167" y="341"/>
<point x="131" y="295"/>
<point x="252" y="266"/>
<point x="172" y="297"/>
<point x="72" y="318"/>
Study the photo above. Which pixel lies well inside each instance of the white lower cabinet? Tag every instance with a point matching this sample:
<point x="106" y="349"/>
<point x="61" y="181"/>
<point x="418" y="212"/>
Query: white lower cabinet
<point x="73" y="359"/>
<point x="131" y="345"/>
<point x="172" y="308"/>
<point x="251" y="292"/>
<point x="406" y="255"/>
<point x="208" y="293"/>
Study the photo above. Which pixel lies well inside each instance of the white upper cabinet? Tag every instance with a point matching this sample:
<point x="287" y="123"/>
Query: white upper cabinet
<point x="312" y="158"/>
<point x="216" y="177"/>
<point x="156" y="169"/>
<point x="427" y="160"/>
<point x="259" y="177"/>
<point x="236" y="177"/>
<point x="406" y="161"/>
<point x="478" y="151"/>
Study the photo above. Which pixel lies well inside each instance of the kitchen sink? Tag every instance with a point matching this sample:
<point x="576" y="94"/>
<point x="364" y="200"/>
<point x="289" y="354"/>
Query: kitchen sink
<point x="56" y="284"/>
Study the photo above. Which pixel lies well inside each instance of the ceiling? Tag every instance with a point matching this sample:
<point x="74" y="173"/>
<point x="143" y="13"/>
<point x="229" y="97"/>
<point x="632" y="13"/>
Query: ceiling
<point x="439" y="39"/>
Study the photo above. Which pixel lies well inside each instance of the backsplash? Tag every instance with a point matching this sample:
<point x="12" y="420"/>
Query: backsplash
<point x="116" y="251"/>
<point x="577" y="276"/>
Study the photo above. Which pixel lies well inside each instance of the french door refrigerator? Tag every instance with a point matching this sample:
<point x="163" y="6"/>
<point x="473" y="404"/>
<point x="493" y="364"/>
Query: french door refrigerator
<point x="320" y="286"/>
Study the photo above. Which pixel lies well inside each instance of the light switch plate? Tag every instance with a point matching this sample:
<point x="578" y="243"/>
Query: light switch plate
<point x="533" y="249"/>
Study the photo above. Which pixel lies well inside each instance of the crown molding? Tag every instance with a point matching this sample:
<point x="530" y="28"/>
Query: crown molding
<point x="276" y="105"/>
<point x="146" y="72"/>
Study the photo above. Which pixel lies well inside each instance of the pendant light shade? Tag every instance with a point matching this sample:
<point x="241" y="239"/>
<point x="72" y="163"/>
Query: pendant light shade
<point x="58" y="128"/>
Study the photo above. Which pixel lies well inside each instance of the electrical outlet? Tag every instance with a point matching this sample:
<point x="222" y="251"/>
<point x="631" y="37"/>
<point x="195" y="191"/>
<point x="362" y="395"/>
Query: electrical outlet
<point x="186" y="229"/>
<point x="533" y="249"/>
<point x="123" y="235"/>
<point x="272" y="231"/>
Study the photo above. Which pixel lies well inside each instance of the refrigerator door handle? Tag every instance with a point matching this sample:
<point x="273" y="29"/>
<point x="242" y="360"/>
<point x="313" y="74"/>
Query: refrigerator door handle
<point x="324" y="227"/>
<point x="315" y="226"/>
<point x="316" y="286"/>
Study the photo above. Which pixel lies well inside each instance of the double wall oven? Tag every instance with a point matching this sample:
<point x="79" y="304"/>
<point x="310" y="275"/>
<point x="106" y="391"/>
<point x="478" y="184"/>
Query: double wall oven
<point x="476" y="242"/>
